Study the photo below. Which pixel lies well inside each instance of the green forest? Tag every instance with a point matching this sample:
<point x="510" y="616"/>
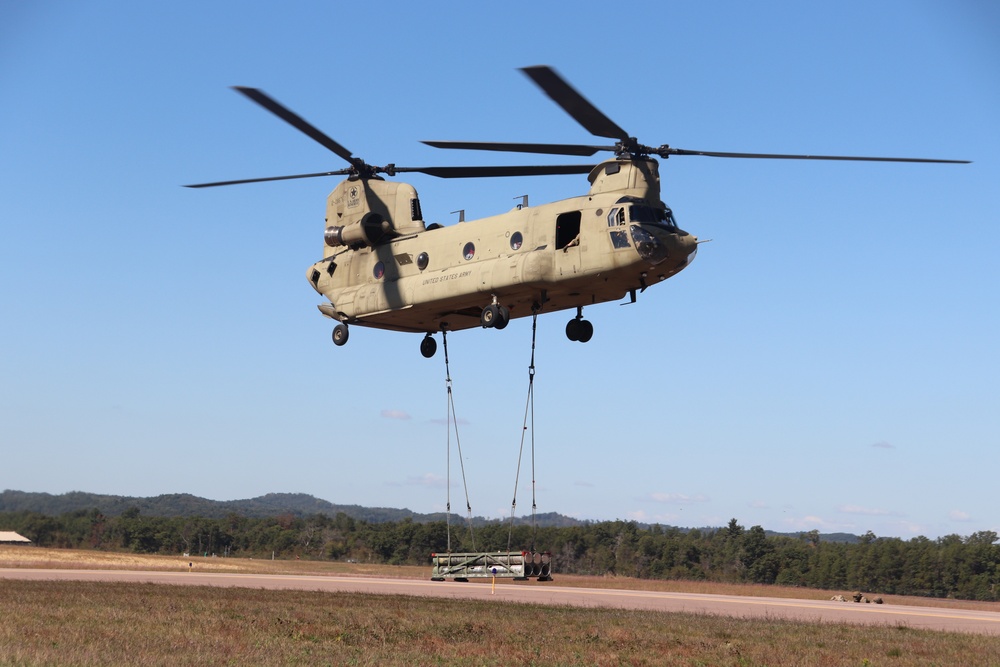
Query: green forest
<point x="950" y="566"/>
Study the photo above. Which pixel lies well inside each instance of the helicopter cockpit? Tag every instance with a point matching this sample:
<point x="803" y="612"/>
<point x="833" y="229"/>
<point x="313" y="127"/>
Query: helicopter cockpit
<point x="653" y="230"/>
<point x="655" y="233"/>
<point x="639" y="212"/>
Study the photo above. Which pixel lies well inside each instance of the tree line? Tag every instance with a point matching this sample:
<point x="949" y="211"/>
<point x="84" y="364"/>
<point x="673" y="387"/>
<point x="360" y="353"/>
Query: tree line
<point x="951" y="566"/>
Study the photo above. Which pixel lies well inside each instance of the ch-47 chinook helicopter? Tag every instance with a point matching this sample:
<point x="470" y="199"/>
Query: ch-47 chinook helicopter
<point x="383" y="267"/>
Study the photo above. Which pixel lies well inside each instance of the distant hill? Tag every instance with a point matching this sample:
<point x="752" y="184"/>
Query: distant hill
<point x="272" y="504"/>
<point x="185" y="504"/>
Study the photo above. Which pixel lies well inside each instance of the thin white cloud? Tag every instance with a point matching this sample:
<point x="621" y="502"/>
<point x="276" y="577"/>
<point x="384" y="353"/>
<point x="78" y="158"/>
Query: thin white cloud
<point x="959" y="515"/>
<point x="758" y="505"/>
<point x="584" y="483"/>
<point x="427" y="480"/>
<point x="395" y="414"/>
<point x="902" y="528"/>
<point x="811" y="522"/>
<point x="677" y="498"/>
<point x="866" y="511"/>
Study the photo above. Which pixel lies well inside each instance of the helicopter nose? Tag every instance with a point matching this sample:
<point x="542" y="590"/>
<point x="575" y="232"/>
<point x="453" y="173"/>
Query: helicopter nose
<point x="688" y="246"/>
<point x="668" y="248"/>
<point x="682" y="249"/>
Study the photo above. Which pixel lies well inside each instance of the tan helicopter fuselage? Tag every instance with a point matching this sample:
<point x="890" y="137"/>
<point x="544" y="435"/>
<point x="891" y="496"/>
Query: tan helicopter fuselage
<point x="384" y="268"/>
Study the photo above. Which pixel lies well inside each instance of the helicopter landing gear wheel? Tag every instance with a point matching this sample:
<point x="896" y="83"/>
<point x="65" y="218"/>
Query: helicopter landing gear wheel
<point x="491" y="314"/>
<point x="495" y="316"/>
<point x="340" y="334"/>
<point x="573" y="330"/>
<point x="579" y="329"/>
<point x="428" y="346"/>
<point x="503" y="319"/>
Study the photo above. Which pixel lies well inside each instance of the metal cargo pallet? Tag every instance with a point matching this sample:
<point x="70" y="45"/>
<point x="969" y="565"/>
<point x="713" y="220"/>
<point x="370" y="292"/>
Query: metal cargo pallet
<point x="518" y="565"/>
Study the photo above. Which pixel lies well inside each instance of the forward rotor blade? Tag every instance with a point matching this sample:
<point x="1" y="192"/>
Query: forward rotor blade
<point x="549" y="149"/>
<point x="439" y="172"/>
<point x="339" y="172"/>
<point x="299" y="123"/>
<point x="575" y="104"/>
<point x="489" y="172"/>
<point x="668" y="151"/>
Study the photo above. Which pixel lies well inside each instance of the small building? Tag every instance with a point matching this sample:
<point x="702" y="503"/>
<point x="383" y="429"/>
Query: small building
<point x="10" y="537"/>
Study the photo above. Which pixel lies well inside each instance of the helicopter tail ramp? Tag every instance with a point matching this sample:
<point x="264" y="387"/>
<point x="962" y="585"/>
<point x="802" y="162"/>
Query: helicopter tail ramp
<point x="519" y="565"/>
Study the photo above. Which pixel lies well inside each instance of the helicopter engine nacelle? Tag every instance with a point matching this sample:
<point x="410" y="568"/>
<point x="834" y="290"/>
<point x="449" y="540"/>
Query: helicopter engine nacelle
<point x="371" y="211"/>
<point x="370" y="230"/>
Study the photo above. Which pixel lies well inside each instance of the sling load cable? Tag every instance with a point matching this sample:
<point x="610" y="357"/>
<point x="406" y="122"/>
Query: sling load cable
<point x="453" y="418"/>
<point x="528" y="408"/>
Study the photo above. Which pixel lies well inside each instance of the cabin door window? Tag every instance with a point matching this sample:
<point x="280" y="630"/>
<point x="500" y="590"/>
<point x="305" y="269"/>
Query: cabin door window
<point x="568" y="230"/>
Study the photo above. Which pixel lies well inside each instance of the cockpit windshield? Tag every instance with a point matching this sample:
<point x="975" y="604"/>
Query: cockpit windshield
<point x="643" y="213"/>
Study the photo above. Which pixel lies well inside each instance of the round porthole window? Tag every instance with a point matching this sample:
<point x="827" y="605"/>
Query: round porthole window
<point x="516" y="240"/>
<point x="422" y="260"/>
<point x="379" y="271"/>
<point x="469" y="251"/>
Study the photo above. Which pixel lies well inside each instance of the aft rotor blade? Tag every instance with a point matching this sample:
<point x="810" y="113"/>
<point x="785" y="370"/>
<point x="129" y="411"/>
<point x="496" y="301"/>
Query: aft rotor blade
<point x="299" y="123"/>
<point x="340" y="172"/>
<point x="489" y="172"/>
<point x="667" y="151"/>
<point x="549" y="149"/>
<point x="575" y="104"/>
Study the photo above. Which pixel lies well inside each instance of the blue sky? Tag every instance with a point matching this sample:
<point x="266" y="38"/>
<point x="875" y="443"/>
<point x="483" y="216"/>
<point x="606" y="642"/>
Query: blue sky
<point x="829" y="361"/>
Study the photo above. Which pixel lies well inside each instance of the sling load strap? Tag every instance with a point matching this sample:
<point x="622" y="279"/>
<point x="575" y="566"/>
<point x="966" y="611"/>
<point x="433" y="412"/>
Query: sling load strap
<point x="529" y="408"/>
<point x="453" y="419"/>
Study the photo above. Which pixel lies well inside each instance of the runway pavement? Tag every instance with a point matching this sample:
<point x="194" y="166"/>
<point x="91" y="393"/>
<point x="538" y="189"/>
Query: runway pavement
<point x="931" y="618"/>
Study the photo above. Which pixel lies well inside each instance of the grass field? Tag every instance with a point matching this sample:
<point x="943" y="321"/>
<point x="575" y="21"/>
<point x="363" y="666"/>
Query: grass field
<point x="84" y="623"/>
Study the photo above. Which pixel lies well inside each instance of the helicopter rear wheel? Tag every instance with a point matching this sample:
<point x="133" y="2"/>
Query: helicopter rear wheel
<point x="573" y="330"/>
<point x="340" y="334"/>
<point x="504" y="318"/>
<point x="428" y="346"/>
<point x="579" y="330"/>
<point x="490" y="316"/>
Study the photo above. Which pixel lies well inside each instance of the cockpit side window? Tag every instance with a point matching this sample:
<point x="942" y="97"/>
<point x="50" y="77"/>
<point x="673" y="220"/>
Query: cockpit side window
<point x="619" y="240"/>
<point x="671" y="222"/>
<point x="641" y="213"/>
<point x="616" y="218"/>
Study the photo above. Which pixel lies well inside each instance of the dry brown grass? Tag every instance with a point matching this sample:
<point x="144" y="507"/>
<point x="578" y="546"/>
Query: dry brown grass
<point x="76" y="559"/>
<point x="86" y="623"/>
<point x="80" y="623"/>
